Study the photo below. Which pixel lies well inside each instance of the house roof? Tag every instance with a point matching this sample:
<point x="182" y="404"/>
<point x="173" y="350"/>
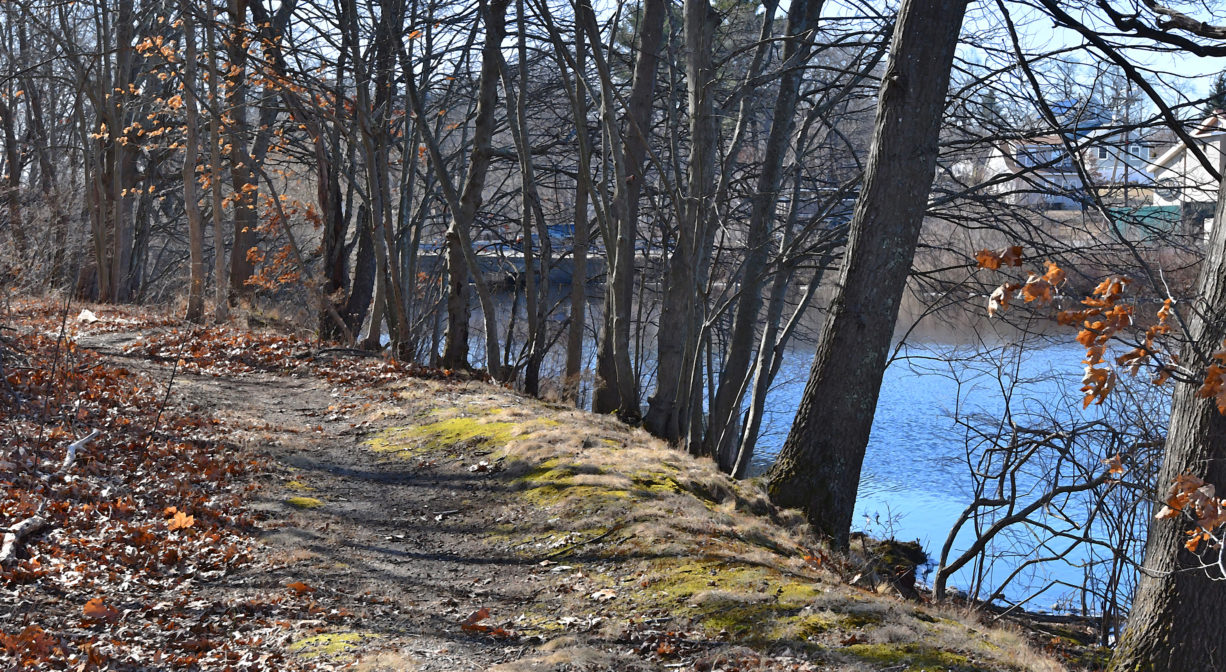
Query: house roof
<point x="1208" y="129"/>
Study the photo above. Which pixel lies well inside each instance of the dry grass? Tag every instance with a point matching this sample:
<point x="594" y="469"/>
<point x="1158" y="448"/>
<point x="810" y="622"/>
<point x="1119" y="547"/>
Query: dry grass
<point x="670" y="536"/>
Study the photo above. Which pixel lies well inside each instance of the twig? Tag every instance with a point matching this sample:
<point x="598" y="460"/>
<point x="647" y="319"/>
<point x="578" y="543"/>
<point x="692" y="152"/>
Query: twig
<point x="561" y="552"/>
<point x="71" y="455"/>
<point x="170" y="384"/>
<point x="16" y="533"/>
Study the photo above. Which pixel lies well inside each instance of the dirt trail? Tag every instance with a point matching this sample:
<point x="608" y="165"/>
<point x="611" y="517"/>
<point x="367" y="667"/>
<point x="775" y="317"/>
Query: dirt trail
<point x="397" y="543"/>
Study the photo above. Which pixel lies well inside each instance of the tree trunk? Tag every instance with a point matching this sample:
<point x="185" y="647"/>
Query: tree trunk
<point x="464" y="205"/>
<point x="1176" y="621"/>
<point x="221" y="303"/>
<point x="616" y="390"/>
<point x="363" y="274"/>
<point x="818" y="469"/>
<point x="536" y="276"/>
<point x="191" y="198"/>
<point x="122" y="157"/>
<point x="242" y="177"/>
<point x="12" y="178"/>
<point x="579" y="238"/>
<point x="720" y="437"/>
<point x="678" y="346"/>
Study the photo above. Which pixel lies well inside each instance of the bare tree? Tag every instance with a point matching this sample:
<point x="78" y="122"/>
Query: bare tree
<point x="818" y="470"/>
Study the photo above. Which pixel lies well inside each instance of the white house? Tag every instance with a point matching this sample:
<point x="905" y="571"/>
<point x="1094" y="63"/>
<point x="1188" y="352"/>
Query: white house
<point x="1116" y="159"/>
<point x="1039" y="171"/>
<point x="1179" y="177"/>
<point x="1036" y="171"/>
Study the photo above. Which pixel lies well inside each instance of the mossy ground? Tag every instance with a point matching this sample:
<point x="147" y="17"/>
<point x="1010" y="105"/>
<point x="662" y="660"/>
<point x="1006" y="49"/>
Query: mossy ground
<point x="911" y="658"/>
<point x="330" y="644"/>
<point x="300" y="502"/>
<point x="641" y="531"/>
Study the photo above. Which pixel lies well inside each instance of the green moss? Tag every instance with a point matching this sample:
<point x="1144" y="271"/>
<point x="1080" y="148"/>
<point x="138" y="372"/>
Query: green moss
<point x="554" y="482"/>
<point x="329" y="644"/>
<point x="657" y="483"/>
<point x="552" y="470"/>
<point x="299" y="486"/>
<point x="442" y="435"/>
<point x="582" y="498"/>
<point x="915" y="657"/>
<point x="304" y="502"/>
<point x="752" y="603"/>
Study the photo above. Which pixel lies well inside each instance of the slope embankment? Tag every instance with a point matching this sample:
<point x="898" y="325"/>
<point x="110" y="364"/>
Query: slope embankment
<point x="402" y="519"/>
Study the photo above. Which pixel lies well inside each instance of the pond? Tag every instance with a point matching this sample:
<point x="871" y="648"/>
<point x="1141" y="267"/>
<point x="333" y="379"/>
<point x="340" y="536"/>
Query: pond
<point x="915" y="481"/>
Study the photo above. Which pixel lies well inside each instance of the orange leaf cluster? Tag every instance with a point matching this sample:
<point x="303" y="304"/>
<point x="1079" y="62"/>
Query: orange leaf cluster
<point x="1102" y="318"/>
<point x="299" y="588"/>
<point x="1192" y="495"/>
<point x="992" y="260"/>
<point x="180" y="521"/>
<point x="1039" y="287"/>
<point x="1212" y="387"/>
<point x="98" y="610"/>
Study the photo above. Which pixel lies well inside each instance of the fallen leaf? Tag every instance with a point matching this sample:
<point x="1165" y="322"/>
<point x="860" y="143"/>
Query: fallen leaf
<point x="299" y="588"/>
<point x="98" y="610"/>
<point x="473" y="622"/>
<point x="181" y="521"/>
<point x="603" y="595"/>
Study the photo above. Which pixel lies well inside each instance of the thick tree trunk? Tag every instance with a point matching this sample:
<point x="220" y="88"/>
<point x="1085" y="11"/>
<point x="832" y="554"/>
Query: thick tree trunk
<point x="12" y="178"/>
<point x="616" y="390"/>
<point x="818" y="469"/>
<point x="1177" y="620"/>
<point x="221" y="303"/>
<point x="122" y="157"/>
<point x="678" y="345"/>
<point x="242" y="177"/>
<point x="363" y="275"/>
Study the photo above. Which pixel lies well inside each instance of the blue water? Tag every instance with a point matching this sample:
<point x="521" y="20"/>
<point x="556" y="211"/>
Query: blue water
<point x="914" y="466"/>
<point x="915" y="481"/>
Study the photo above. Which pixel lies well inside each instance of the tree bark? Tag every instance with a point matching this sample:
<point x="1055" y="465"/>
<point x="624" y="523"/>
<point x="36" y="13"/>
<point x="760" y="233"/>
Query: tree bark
<point x="461" y="260"/>
<point x="1176" y="620"/>
<point x="536" y="275"/>
<point x="616" y="389"/>
<point x="221" y="302"/>
<point x="678" y="345"/>
<point x="242" y="177"/>
<point x="818" y="469"/>
<point x="12" y="178"/>
<point x="191" y="197"/>
<point x="579" y="236"/>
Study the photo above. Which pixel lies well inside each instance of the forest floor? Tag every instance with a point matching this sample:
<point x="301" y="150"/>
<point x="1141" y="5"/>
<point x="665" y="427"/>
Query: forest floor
<point x="257" y="501"/>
